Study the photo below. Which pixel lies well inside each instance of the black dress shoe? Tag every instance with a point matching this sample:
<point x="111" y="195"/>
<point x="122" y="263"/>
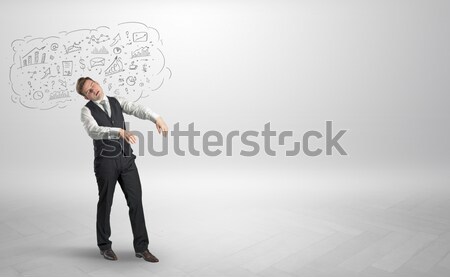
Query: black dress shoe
<point x="108" y="254"/>
<point x="147" y="256"/>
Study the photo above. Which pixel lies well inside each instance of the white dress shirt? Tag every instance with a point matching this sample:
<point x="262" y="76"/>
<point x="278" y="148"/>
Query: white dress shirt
<point x="102" y="132"/>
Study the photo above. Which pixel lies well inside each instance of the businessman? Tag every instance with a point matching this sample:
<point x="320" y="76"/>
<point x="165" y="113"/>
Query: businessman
<point x="103" y="120"/>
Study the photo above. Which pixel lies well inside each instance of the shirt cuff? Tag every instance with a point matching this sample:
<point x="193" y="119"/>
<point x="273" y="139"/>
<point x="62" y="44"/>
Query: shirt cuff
<point x="114" y="133"/>
<point x="153" y="117"/>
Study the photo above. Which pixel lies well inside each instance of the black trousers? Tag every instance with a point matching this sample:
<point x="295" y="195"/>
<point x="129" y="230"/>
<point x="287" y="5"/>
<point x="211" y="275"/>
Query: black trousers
<point x="108" y="171"/>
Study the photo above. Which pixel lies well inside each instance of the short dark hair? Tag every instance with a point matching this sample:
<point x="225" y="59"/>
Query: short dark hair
<point x="80" y="84"/>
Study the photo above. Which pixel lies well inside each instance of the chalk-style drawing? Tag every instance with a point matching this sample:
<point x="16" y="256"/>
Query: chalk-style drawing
<point x="140" y="52"/>
<point x="115" y="40"/>
<point x="117" y="50"/>
<point x="99" y="39"/>
<point x="33" y="57"/>
<point x="32" y="73"/>
<point x="63" y="83"/>
<point x="97" y="62"/>
<point x="67" y="68"/>
<point x="132" y="66"/>
<point x="126" y="57"/>
<point x="131" y="80"/>
<point x="37" y="95"/>
<point x="59" y="94"/>
<point x="46" y="73"/>
<point x="54" y="46"/>
<point x="72" y="48"/>
<point x="115" y="67"/>
<point x="82" y="64"/>
<point x="140" y="37"/>
<point x="101" y="51"/>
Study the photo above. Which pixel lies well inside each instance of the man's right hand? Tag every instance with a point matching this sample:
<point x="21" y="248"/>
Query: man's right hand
<point x="127" y="136"/>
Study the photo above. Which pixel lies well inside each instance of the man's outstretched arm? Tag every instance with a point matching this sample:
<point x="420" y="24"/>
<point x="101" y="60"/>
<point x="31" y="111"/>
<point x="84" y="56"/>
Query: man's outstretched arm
<point x="143" y="112"/>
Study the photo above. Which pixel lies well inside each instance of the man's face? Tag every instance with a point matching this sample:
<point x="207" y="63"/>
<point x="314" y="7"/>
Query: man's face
<point x="92" y="91"/>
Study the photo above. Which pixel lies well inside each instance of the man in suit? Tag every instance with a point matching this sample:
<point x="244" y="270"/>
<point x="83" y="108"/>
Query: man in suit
<point x="103" y="120"/>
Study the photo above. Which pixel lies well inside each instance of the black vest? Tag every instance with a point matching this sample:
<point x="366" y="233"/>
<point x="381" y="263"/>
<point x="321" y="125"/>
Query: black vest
<point x="110" y="148"/>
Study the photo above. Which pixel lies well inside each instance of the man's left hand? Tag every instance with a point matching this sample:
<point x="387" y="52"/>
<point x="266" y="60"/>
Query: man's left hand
<point x="161" y="126"/>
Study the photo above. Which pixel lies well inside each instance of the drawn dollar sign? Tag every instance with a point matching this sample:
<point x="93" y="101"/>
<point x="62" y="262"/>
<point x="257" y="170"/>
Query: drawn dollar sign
<point x="82" y="65"/>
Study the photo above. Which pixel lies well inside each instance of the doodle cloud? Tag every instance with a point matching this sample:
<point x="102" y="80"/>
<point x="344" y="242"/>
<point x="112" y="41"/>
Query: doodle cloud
<point x="127" y="60"/>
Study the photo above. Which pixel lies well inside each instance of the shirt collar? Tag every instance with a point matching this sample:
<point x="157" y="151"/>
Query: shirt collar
<point x="104" y="98"/>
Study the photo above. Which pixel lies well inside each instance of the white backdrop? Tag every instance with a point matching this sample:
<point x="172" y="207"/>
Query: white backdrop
<point x="378" y="69"/>
<point x="375" y="68"/>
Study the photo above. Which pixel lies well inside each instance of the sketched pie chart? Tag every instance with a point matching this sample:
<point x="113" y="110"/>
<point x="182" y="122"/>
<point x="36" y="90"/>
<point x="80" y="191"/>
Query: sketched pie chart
<point x="38" y="95"/>
<point x="131" y="81"/>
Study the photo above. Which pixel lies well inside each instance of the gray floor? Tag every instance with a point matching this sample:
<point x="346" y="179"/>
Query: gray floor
<point x="234" y="222"/>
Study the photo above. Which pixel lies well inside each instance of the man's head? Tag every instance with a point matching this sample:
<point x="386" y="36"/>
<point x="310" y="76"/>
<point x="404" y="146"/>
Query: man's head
<point x="89" y="89"/>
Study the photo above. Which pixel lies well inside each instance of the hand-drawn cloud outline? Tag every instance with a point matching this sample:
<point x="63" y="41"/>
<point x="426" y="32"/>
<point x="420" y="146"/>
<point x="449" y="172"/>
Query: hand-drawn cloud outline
<point x="45" y="70"/>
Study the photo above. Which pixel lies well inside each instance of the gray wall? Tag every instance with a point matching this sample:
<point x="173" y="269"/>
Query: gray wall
<point x="378" y="69"/>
